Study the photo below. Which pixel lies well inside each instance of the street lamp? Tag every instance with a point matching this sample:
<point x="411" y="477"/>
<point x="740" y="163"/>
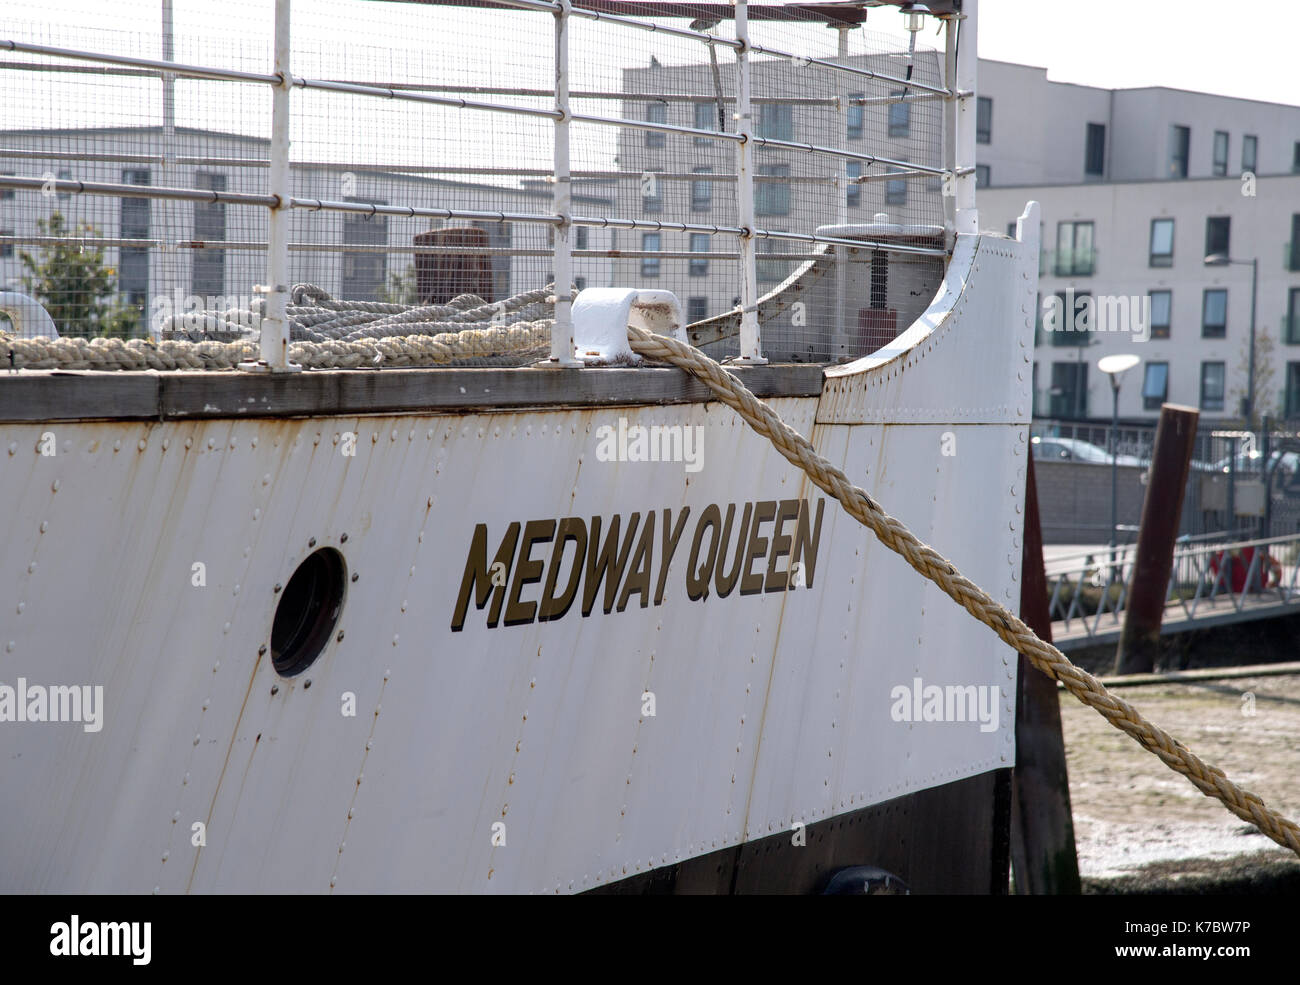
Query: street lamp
<point x="1115" y="367"/>
<point x="1222" y="260"/>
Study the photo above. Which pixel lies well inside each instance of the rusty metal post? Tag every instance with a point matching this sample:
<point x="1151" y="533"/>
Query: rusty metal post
<point x="1171" y="459"/>
<point x="1042" y="828"/>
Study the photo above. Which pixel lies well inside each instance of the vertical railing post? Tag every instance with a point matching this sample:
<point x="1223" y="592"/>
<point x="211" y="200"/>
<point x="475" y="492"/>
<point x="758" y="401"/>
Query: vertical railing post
<point x="750" y="343"/>
<point x="963" y="56"/>
<point x="275" y="319"/>
<point x="562" y="343"/>
<point x="840" y="347"/>
<point x="168" y="80"/>
<point x="950" y="26"/>
<point x="166" y="175"/>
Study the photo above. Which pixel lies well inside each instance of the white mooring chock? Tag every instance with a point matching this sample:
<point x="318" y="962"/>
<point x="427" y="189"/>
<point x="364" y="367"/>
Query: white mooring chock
<point x="601" y="316"/>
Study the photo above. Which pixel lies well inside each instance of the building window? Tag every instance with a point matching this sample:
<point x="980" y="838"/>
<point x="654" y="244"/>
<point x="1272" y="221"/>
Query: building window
<point x="133" y="262"/>
<point x="853" y="192"/>
<point x="771" y="271"/>
<point x="1292" y="390"/>
<point x="652" y="192"/>
<point x="855" y="114"/>
<point x="579" y="282"/>
<point x="1155" y="385"/>
<point x="655" y="113"/>
<point x="6" y="249"/>
<point x="697" y="309"/>
<point x="1291" y="330"/>
<point x="365" y="274"/>
<point x="981" y="176"/>
<point x="209" y="275"/>
<point x="896" y="191"/>
<point x="650" y="244"/>
<point x="1218" y="231"/>
<point x="900" y="116"/>
<point x="1295" y="158"/>
<point x="1212" y="375"/>
<point x="65" y="175"/>
<point x="1180" y="139"/>
<point x="706" y="118"/>
<point x="776" y="121"/>
<point x="1074" y="253"/>
<point x="1214" y="313"/>
<point x="1162" y="304"/>
<point x="1069" y="392"/>
<point x="983" y="119"/>
<point x="702" y="192"/>
<point x="1162" y="243"/>
<point x="699" y="244"/>
<point x="1095" y="155"/>
<point x="1293" y="247"/>
<point x="581" y="238"/>
<point x="7" y="193"/>
<point x="1220" y="153"/>
<point x="772" y="197"/>
<point x="1249" y="152"/>
<point x="1064" y="332"/>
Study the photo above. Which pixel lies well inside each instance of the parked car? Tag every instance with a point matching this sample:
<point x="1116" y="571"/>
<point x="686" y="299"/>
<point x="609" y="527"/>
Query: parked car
<point x="1048" y="449"/>
<point x="1287" y="463"/>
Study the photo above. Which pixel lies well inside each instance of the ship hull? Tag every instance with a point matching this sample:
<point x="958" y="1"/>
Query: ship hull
<point x="558" y="665"/>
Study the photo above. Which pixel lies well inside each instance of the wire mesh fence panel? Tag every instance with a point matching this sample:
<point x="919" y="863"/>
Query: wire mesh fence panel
<point x="422" y="169"/>
<point x="114" y="264"/>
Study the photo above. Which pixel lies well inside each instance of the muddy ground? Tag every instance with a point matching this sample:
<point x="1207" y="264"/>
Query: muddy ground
<point x="1140" y="827"/>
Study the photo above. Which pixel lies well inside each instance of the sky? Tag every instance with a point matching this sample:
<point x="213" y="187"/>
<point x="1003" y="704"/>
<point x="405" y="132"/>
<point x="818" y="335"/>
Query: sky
<point x="1227" y="47"/>
<point x="1230" y="48"/>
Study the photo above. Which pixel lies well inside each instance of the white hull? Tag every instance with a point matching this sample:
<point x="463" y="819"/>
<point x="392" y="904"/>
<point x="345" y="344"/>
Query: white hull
<point x="771" y="709"/>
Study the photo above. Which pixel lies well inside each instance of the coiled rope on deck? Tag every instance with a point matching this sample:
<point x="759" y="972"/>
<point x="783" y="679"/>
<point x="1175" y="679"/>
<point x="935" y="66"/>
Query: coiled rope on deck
<point x="1210" y="780"/>
<point x="325" y="333"/>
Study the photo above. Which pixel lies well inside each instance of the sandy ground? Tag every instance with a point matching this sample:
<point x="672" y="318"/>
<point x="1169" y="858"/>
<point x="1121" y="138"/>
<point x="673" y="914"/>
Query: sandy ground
<point x="1134" y="816"/>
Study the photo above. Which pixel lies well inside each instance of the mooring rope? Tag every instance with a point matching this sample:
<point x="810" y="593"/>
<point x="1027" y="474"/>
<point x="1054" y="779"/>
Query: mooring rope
<point x="1210" y="780"/>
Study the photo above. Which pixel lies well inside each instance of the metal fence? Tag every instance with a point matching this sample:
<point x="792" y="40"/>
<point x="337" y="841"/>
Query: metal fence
<point x="170" y="156"/>
<point x="1241" y="484"/>
<point x="1213" y="581"/>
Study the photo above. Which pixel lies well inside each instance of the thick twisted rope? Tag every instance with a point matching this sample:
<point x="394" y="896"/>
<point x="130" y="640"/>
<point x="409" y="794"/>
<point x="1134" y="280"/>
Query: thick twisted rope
<point x="519" y="341"/>
<point x="326" y="333"/>
<point x="1210" y="780"/>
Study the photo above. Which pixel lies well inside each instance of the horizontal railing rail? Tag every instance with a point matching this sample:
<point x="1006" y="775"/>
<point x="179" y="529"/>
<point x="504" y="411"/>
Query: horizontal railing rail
<point x="567" y="206"/>
<point x="1209" y="579"/>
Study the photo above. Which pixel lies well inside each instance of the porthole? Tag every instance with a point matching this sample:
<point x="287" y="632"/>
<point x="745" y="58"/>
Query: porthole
<point x="308" y="610"/>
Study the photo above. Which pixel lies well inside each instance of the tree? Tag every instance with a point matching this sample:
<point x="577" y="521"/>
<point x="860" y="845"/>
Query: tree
<point x="1266" y="401"/>
<point x="400" y="288"/>
<point x="75" y="286"/>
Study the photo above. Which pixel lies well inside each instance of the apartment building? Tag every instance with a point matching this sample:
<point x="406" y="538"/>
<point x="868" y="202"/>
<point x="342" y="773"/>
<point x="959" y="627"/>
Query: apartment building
<point x="1137" y="187"/>
<point x="355" y="256"/>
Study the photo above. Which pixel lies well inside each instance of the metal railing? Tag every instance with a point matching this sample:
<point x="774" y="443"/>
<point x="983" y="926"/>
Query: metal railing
<point x="1211" y="579"/>
<point x="564" y="215"/>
